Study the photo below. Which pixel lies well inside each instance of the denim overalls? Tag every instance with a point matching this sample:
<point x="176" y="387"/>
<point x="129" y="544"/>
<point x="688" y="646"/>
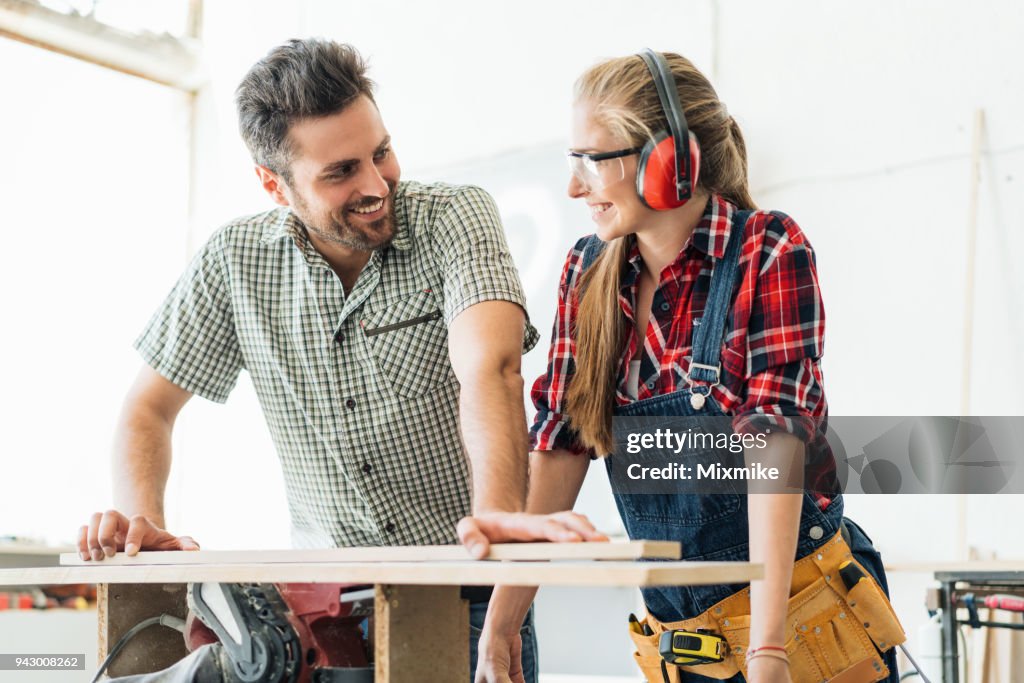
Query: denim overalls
<point x="714" y="527"/>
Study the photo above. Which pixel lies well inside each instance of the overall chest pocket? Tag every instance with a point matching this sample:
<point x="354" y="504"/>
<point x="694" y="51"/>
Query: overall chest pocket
<point x="409" y="340"/>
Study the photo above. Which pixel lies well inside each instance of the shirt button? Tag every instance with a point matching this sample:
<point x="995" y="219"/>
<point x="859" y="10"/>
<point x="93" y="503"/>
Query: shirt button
<point x="389" y="527"/>
<point x="339" y="336"/>
<point x="367" y="468"/>
<point x="650" y="385"/>
<point x="350" y="404"/>
<point x="815" y="532"/>
<point x="665" y="306"/>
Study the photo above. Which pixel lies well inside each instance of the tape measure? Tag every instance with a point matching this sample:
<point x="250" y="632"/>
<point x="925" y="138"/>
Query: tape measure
<point x="684" y="648"/>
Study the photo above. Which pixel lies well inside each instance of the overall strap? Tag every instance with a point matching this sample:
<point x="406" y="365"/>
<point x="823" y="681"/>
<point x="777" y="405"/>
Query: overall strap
<point x="709" y="333"/>
<point x="592" y="248"/>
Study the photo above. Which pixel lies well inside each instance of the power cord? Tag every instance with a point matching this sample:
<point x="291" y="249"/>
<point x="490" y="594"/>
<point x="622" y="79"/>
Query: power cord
<point x="164" y="620"/>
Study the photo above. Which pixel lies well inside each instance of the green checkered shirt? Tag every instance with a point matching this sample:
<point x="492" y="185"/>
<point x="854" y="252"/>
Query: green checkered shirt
<point x="357" y="390"/>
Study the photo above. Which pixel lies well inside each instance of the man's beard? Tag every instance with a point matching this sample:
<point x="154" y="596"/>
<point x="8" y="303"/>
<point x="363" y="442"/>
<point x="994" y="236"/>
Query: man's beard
<point x="334" y="228"/>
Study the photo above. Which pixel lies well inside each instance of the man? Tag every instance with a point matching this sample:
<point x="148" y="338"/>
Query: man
<point x="378" y="319"/>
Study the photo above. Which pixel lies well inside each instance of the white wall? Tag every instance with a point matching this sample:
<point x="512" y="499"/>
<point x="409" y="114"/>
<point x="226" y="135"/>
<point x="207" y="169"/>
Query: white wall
<point x="859" y="121"/>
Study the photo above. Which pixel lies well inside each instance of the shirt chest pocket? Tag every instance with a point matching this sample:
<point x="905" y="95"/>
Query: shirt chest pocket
<point x="409" y="340"/>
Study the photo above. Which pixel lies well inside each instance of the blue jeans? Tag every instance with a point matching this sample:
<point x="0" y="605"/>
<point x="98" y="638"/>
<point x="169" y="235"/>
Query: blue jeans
<point x="477" y="612"/>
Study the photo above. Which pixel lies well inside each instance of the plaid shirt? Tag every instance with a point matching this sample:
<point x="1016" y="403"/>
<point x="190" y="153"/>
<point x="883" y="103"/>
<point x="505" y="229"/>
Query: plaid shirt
<point x="357" y="389"/>
<point x="771" y="368"/>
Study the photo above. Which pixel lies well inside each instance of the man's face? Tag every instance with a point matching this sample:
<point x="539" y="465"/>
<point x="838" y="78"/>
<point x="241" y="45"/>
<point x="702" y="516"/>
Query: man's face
<point x="344" y="175"/>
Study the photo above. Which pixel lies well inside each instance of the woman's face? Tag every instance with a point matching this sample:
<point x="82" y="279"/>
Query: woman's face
<point x="608" y="187"/>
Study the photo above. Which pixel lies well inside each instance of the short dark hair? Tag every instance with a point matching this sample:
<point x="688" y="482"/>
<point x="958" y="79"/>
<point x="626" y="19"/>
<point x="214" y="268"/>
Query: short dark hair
<point x="301" y="79"/>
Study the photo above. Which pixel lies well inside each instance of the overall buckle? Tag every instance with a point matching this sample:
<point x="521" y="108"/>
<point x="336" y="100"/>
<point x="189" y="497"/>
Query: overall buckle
<point x="717" y="369"/>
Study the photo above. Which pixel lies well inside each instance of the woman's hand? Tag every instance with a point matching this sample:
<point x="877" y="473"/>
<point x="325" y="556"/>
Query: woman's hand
<point x="479" y="531"/>
<point x="767" y="669"/>
<point x="499" y="658"/>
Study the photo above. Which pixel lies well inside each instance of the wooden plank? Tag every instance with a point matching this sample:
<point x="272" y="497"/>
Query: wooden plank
<point x="122" y="606"/>
<point x="412" y="573"/>
<point x="421" y="634"/>
<point x="615" y="550"/>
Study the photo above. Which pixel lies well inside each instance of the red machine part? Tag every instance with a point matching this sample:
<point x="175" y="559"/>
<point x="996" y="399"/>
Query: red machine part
<point x="329" y="629"/>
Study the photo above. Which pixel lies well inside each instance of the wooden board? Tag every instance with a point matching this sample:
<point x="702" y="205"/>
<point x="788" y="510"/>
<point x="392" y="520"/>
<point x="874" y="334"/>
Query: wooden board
<point x="615" y="550"/>
<point x="410" y="573"/>
<point x="421" y="633"/>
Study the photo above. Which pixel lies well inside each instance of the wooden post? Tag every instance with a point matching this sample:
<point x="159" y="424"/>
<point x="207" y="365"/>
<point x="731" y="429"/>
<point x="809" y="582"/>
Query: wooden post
<point x="421" y="634"/>
<point x="121" y="606"/>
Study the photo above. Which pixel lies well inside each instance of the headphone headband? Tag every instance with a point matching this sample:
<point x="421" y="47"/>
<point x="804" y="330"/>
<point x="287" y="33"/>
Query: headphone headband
<point x="665" y="84"/>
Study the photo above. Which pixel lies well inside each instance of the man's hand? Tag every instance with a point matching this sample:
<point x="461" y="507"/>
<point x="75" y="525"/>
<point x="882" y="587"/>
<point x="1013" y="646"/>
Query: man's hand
<point x="110" y="531"/>
<point x="499" y="660"/>
<point x="479" y="531"/>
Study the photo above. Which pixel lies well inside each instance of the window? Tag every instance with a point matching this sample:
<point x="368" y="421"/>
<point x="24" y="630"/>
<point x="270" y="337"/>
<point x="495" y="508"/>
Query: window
<point x="94" y="183"/>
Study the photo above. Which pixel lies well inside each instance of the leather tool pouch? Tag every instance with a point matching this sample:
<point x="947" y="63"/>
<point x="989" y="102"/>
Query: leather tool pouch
<point x="831" y="634"/>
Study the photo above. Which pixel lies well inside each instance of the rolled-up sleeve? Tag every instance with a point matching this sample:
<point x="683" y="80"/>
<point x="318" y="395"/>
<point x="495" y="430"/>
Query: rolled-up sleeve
<point x="784" y="347"/>
<point x="475" y="261"/>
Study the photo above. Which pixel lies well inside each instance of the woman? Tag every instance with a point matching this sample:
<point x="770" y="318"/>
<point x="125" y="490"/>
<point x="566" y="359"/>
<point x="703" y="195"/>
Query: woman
<point x="690" y="302"/>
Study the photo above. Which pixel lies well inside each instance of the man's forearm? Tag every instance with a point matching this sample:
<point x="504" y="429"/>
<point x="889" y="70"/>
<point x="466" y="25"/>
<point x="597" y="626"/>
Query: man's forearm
<point x="493" y="422"/>
<point x="141" y="462"/>
<point x="485" y="344"/>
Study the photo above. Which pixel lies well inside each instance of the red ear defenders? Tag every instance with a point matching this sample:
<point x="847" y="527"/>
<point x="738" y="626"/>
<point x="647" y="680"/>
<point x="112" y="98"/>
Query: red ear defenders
<point x="670" y="163"/>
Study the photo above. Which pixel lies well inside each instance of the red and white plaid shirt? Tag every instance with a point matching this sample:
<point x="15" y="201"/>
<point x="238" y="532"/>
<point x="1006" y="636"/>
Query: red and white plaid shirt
<point x="771" y="370"/>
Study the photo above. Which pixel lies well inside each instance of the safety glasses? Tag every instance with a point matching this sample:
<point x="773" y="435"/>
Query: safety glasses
<point x="598" y="171"/>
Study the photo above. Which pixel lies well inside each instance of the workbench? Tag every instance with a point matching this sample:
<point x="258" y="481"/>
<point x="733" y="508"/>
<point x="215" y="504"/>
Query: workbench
<point x="956" y="580"/>
<point x="956" y="583"/>
<point x="421" y="624"/>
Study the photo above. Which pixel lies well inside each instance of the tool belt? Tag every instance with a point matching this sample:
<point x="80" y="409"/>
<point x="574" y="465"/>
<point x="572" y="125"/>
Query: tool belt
<point x="831" y="633"/>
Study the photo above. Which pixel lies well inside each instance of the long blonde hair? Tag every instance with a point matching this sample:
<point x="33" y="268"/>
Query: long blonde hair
<point x="625" y="101"/>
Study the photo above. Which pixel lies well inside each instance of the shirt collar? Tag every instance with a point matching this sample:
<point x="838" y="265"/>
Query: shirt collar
<point x="402" y="241"/>
<point x="712" y="233"/>
<point x="286" y="224"/>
